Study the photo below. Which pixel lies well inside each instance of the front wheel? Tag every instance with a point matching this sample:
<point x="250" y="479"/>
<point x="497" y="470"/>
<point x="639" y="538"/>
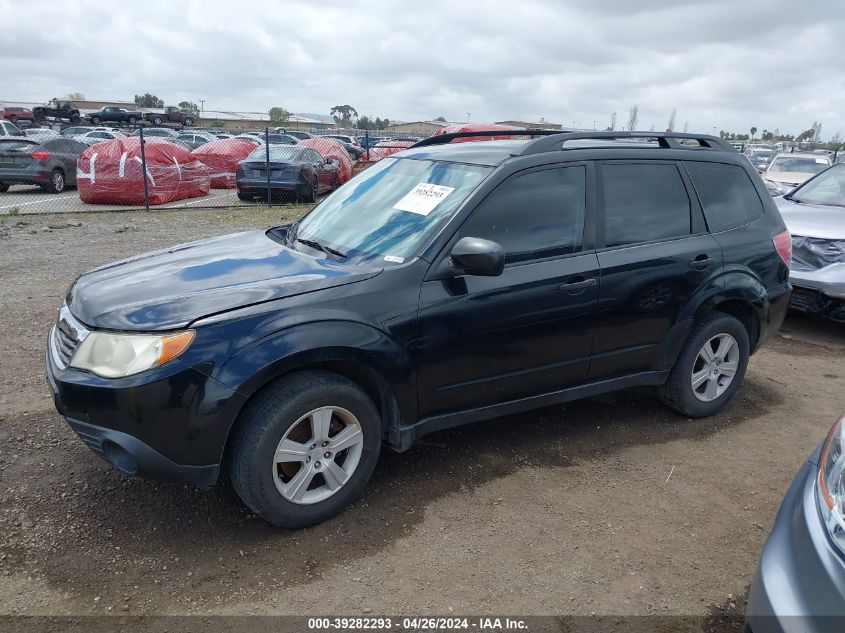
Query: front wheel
<point x="132" y="120"/>
<point x="95" y="120"/>
<point x="157" y="120"/>
<point x="710" y="368"/>
<point x="188" y="122"/>
<point x="304" y="448"/>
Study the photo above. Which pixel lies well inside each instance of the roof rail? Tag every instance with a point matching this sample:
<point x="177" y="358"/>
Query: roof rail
<point x="667" y="140"/>
<point x="443" y="139"/>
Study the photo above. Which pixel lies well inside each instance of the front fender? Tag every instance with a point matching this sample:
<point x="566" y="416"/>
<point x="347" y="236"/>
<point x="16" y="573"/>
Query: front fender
<point x="315" y="342"/>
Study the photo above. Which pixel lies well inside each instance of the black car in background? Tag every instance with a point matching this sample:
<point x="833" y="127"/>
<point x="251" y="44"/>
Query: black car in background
<point x="447" y="284"/>
<point x="50" y="163"/>
<point x="294" y="171"/>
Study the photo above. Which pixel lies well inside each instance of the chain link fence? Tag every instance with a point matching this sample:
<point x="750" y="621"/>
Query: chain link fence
<point x="57" y="168"/>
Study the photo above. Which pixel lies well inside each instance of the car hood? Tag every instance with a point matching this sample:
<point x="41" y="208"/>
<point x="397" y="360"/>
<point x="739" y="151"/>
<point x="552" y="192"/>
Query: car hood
<point x="169" y="289"/>
<point x="790" y="177"/>
<point x="813" y="220"/>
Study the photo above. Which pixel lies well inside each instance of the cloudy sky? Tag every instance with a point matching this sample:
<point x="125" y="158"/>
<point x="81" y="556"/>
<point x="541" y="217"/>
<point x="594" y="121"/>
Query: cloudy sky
<point x="726" y="64"/>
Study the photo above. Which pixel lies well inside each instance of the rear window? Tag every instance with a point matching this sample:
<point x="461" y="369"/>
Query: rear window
<point x="643" y="202"/>
<point x="727" y="195"/>
<point x="16" y="145"/>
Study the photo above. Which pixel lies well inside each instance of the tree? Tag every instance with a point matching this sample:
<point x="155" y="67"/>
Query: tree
<point x="189" y="106"/>
<point x="279" y="115"/>
<point x="686" y="126"/>
<point x="612" y="126"/>
<point x="633" y="118"/>
<point x="147" y="100"/>
<point x="440" y="118"/>
<point x="670" y="127"/>
<point x="753" y="132"/>
<point x="218" y="123"/>
<point x="344" y="115"/>
<point x="806" y="135"/>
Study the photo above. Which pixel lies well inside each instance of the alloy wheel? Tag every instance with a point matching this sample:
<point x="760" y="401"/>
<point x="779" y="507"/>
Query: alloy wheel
<point x="715" y="367"/>
<point x="317" y="455"/>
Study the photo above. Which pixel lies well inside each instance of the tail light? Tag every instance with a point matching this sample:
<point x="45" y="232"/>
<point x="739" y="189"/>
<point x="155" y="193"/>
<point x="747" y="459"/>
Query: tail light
<point x="40" y="155"/>
<point x="783" y="245"/>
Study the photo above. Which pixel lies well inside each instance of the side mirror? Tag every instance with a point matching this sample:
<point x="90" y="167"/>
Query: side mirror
<point x="476" y="256"/>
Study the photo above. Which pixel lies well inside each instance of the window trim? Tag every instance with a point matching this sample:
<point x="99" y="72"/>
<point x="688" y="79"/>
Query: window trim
<point x="697" y="224"/>
<point x="587" y="232"/>
<point x="701" y="204"/>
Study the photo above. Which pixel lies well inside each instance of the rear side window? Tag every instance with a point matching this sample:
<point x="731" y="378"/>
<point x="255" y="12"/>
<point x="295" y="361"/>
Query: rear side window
<point x="643" y="203"/>
<point x="727" y="195"/>
<point x="536" y="215"/>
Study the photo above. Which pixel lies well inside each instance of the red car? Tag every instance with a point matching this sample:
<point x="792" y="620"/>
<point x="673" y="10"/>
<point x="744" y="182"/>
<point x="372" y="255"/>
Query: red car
<point x="18" y="114"/>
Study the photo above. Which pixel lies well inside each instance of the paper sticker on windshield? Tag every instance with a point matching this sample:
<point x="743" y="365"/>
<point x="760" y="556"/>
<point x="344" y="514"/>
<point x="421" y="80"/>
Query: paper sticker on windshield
<point x="821" y="161"/>
<point x="394" y="259"/>
<point x="423" y="198"/>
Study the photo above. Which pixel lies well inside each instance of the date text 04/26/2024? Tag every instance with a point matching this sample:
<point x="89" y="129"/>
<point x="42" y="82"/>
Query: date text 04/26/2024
<point x="417" y="623"/>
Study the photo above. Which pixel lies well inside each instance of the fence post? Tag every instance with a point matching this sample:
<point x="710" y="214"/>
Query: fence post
<point x="144" y="169"/>
<point x="267" y="164"/>
<point x="367" y="139"/>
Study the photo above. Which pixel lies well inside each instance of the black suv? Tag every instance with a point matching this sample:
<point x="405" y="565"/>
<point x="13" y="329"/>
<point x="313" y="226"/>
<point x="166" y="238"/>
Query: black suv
<point x="447" y="284"/>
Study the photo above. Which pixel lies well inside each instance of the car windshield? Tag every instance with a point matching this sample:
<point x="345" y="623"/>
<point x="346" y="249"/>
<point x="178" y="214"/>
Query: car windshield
<point x="827" y="188"/>
<point x="389" y="210"/>
<point x="799" y="164"/>
<point x="278" y="153"/>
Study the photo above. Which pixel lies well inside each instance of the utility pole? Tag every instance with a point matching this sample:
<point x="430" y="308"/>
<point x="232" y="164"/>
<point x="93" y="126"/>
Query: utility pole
<point x="468" y="113"/>
<point x="202" y="107"/>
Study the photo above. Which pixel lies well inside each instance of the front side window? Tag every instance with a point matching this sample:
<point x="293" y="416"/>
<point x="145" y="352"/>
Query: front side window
<point x="727" y="195"/>
<point x="388" y="212"/>
<point x="643" y="202"/>
<point x="534" y="215"/>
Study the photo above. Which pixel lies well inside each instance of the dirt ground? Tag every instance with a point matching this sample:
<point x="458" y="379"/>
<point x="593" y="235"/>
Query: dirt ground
<point x="612" y="505"/>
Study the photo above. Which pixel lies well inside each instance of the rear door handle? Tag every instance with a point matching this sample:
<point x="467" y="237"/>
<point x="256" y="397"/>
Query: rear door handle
<point x="702" y="261"/>
<point x="578" y="283"/>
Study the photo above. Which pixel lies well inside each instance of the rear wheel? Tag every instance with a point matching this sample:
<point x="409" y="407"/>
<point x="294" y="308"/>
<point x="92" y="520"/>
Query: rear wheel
<point x="305" y="447"/>
<point x="75" y="118"/>
<point x="57" y="182"/>
<point x="95" y="120"/>
<point x="710" y="368"/>
<point x="189" y="122"/>
<point x="157" y="120"/>
<point x="308" y="193"/>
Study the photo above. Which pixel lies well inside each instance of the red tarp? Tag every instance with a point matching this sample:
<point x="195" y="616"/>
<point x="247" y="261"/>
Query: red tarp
<point x="221" y="157"/>
<point x="475" y="127"/>
<point x="110" y="172"/>
<point x="383" y="149"/>
<point x="332" y="148"/>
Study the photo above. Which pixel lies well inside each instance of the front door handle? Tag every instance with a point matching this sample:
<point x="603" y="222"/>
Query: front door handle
<point x="702" y="261"/>
<point x="578" y="283"/>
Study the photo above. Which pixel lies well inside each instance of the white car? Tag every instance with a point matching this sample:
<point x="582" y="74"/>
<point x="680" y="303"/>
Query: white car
<point x="95" y="136"/>
<point x="788" y="170"/>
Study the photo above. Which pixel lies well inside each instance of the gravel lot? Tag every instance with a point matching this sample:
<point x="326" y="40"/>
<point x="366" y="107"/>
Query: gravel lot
<point x="612" y="505"/>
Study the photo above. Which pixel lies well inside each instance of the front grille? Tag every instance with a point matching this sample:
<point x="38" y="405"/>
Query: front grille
<point x="808" y="300"/>
<point x="65" y="342"/>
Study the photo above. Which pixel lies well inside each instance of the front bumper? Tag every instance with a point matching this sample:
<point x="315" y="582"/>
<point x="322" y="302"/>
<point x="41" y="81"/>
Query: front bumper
<point x="820" y="291"/>
<point x="800" y="583"/>
<point x="170" y="422"/>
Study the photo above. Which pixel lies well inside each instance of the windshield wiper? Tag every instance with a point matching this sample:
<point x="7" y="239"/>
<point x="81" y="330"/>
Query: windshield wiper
<point x="321" y="247"/>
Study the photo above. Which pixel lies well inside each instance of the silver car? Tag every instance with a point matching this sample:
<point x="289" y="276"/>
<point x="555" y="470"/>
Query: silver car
<point x="791" y="169"/>
<point x="800" y="583"/>
<point x="815" y="216"/>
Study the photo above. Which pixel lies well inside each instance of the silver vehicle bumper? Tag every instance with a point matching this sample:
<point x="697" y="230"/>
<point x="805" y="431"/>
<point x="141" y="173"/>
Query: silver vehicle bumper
<point x="800" y="583"/>
<point x="830" y="280"/>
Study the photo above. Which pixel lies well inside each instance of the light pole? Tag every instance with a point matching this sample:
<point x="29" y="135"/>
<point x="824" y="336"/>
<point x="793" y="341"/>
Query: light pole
<point x="468" y="113"/>
<point x="202" y="107"/>
<point x="594" y="126"/>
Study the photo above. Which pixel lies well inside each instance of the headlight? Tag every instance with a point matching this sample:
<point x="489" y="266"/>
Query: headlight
<point x="113" y="355"/>
<point x="830" y="491"/>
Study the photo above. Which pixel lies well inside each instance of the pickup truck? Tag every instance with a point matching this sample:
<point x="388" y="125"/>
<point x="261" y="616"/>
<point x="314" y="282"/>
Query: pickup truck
<point x="171" y="114"/>
<point x="55" y="110"/>
<point x="115" y="114"/>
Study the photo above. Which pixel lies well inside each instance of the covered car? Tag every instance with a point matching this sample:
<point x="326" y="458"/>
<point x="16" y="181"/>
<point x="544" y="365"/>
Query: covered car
<point x="385" y="148"/>
<point x="332" y="149"/>
<point x="222" y="157"/>
<point x="475" y="127"/>
<point x="110" y="172"/>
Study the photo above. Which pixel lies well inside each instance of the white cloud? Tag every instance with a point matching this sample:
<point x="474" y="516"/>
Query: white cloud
<point x="724" y="63"/>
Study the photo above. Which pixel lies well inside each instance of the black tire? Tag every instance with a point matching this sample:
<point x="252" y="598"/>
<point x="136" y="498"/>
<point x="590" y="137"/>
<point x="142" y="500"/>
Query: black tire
<point x="335" y="182"/>
<point x="263" y="423"/>
<point x="245" y="196"/>
<point x="3" y="187"/>
<point x="75" y="119"/>
<point x="57" y="182"/>
<point x="188" y="122"/>
<point x="95" y="120"/>
<point x="157" y="120"/>
<point x="309" y="192"/>
<point x="678" y="391"/>
<point x="38" y="114"/>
